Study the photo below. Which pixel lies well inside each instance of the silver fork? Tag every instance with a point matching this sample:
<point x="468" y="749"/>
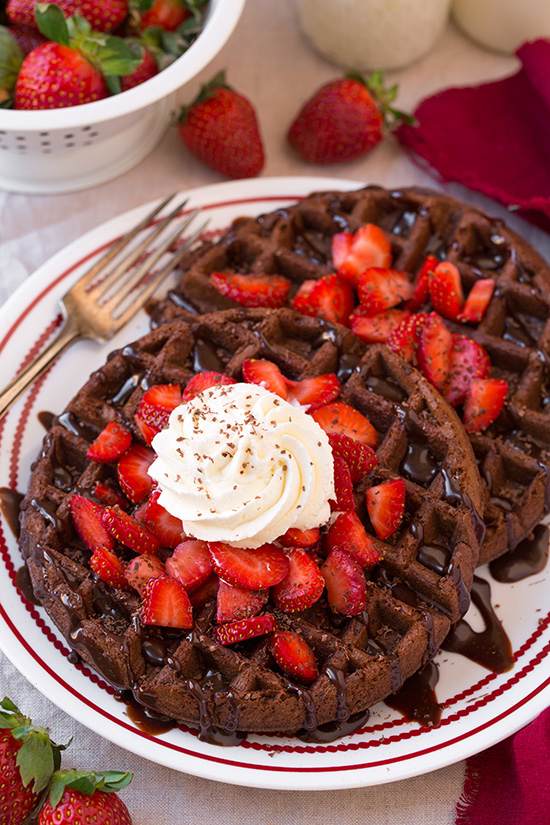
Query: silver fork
<point x="86" y="315"/>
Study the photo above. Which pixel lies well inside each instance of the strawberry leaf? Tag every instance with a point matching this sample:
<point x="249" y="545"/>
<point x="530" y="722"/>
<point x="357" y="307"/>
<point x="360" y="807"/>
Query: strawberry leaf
<point x="52" y="23"/>
<point x="11" y="58"/>
<point x="87" y="782"/>
<point x="115" y="57"/>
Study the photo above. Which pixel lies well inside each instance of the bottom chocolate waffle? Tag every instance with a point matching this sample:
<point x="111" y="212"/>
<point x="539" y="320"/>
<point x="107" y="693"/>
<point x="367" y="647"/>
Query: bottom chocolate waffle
<point x="295" y="244"/>
<point x="391" y="593"/>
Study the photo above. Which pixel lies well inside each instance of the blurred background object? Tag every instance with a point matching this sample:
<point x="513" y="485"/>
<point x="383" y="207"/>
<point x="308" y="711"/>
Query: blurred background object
<point x="502" y="25"/>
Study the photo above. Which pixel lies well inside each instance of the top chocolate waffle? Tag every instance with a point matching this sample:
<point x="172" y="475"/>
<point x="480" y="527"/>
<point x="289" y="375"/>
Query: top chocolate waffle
<point x="295" y="242"/>
<point x="409" y="595"/>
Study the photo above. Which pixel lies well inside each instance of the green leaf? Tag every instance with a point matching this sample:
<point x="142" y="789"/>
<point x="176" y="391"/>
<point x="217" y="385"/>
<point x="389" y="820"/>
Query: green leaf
<point x="52" y="23"/>
<point x="11" y="58"/>
<point x="116" y="58"/>
<point x="87" y="782"/>
<point x="11" y="716"/>
<point x="35" y="760"/>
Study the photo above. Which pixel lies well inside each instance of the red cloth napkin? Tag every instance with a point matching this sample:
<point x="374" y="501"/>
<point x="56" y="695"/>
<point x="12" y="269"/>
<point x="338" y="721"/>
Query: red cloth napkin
<point x="509" y="784"/>
<point x="494" y="138"/>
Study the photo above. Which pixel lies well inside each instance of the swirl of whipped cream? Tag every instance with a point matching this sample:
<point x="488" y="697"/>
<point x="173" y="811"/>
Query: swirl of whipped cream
<point x="240" y="465"/>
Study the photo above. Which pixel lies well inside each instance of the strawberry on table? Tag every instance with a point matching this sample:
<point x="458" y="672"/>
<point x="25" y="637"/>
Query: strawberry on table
<point x="446" y="291"/>
<point x="166" y="603"/>
<point x="380" y="289"/>
<point x="386" y="505"/>
<point x="269" y="291"/>
<point x="359" y="457"/>
<point x="352" y="254"/>
<point x="190" y="564"/>
<point x="111" y="443"/>
<point x="303" y="584"/>
<point x="132" y="468"/>
<point x="82" y="797"/>
<point x="294" y="656"/>
<point x="204" y="381"/>
<point x="220" y="128"/>
<point x="376" y="329"/>
<point x="348" y="533"/>
<point x="477" y="301"/>
<point x="433" y="355"/>
<point x="235" y="603"/>
<point x="484" y="401"/>
<point x="129" y="531"/>
<point x="86" y="517"/>
<point x="109" y="568"/>
<point x="253" y="569"/>
<point x="344" y="119"/>
<point x="338" y="417"/>
<point x="468" y="360"/>
<point x="28" y="758"/>
<point x="233" y="632"/>
<point x="345" y="582"/>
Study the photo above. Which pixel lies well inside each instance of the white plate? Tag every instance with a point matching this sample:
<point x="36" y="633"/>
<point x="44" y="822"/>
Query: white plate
<point x="481" y="707"/>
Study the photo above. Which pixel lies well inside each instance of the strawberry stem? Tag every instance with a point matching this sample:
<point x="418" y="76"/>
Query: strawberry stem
<point x="383" y="96"/>
<point x="87" y="782"/>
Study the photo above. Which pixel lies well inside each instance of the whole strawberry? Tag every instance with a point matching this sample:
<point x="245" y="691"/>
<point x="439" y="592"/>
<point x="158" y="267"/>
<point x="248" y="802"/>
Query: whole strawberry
<point x="28" y="758"/>
<point x="147" y="68"/>
<point x="103" y="15"/>
<point x="84" y="797"/>
<point x="220" y="128"/>
<point x="71" y="68"/>
<point x="344" y="119"/>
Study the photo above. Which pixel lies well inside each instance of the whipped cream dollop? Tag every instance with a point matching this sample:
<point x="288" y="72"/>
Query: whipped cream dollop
<point x="240" y="465"/>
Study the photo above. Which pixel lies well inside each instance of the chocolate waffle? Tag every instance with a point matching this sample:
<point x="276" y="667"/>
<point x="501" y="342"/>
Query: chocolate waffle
<point x="413" y="595"/>
<point x="513" y="454"/>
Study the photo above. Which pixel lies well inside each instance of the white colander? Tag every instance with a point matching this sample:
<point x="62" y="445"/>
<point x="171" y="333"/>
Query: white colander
<point x="61" y="150"/>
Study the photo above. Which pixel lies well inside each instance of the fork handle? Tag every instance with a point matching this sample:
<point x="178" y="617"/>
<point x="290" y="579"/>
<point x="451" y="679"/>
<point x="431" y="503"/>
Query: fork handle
<point x="67" y="335"/>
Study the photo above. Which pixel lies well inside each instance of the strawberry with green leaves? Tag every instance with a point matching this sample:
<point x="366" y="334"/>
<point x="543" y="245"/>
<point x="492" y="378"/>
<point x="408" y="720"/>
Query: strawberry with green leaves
<point x="344" y="119"/>
<point x="220" y="128"/>
<point x="74" y="67"/>
<point x="81" y="797"/>
<point x="102" y="15"/>
<point x="28" y="759"/>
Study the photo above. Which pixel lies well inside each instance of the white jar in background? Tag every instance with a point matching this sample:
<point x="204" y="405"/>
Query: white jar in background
<point x="503" y="25"/>
<point x="373" y="34"/>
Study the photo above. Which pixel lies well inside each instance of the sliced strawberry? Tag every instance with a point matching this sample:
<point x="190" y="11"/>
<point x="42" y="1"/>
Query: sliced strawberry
<point x="340" y="248"/>
<point x="477" y="301"/>
<point x="111" y="443"/>
<point x="129" y="531"/>
<point x="204" y="381"/>
<point x="302" y="585"/>
<point x="435" y="344"/>
<point x="205" y="592"/>
<point x="483" y="403"/>
<point x="253" y="569"/>
<point x="345" y="582"/>
<point x="380" y="289"/>
<point x="343" y="486"/>
<point x="386" y="505"/>
<point x="157" y="404"/>
<point x="348" y="533"/>
<point x="266" y="374"/>
<point x="132" y="468"/>
<point x="338" y="417"/>
<point x="446" y="291"/>
<point x="166" y="527"/>
<point x="369" y="247"/>
<point x="376" y="329"/>
<point x="404" y="339"/>
<point x="468" y="360"/>
<point x="359" y="457"/>
<point x="141" y="569"/>
<point x="332" y="298"/>
<point x="252" y="290"/>
<point x="236" y="603"/>
<point x="315" y="391"/>
<point x="299" y="538"/>
<point x="421" y="286"/>
<point x="294" y="656"/>
<point x="190" y="564"/>
<point x="147" y="432"/>
<point x="229" y="634"/>
<point x="109" y="495"/>
<point x="86" y="516"/>
<point x="109" y="568"/>
<point x="166" y="603"/>
<point x="301" y="302"/>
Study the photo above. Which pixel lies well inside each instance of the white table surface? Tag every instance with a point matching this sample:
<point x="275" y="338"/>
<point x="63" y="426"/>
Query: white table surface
<point x="268" y="60"/>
